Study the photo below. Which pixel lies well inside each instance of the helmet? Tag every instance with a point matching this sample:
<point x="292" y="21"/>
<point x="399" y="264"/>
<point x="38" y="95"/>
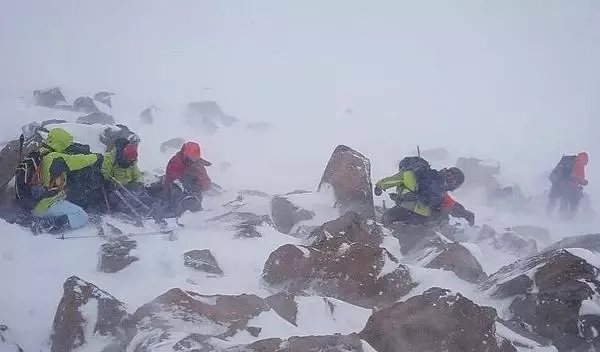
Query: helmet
<point x="191" y="151"/>
<point x="453" y="177"/>
<point x="130" y="152"/>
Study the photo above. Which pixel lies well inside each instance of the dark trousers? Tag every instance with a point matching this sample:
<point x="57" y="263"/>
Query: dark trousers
<point x="568" y="194"/>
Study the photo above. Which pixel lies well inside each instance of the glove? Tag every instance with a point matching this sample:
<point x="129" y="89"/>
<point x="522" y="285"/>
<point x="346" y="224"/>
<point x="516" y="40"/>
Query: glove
<point x="470" y="217"/>
<point x="378" y="191"/>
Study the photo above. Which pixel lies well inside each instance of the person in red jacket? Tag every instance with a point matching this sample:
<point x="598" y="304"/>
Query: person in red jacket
<point x="568" y="179"/>
<point x="186" y="178"/>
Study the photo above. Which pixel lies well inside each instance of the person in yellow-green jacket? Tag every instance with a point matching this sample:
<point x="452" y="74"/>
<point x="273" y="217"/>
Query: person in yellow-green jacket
<point x="422" y="195"/>
<point x="124" y="178"/>
<point x="53" y="213"/>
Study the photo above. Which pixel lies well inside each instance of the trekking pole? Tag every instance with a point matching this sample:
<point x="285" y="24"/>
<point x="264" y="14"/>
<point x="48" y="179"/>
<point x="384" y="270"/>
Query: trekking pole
<point x="128" y="205"/>
<point x="418" y="151"/>
<point x="105" y="198"/>
<point x="129" y="193"/>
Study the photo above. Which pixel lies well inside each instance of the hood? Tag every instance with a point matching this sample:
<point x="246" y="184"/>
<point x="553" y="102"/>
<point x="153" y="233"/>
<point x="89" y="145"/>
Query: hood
<point x="582" y="158"/>
<point x="59" y="139"/>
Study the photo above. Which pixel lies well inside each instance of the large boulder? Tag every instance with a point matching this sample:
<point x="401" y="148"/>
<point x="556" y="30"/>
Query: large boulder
<point x="329" y="343"/>
<point x="435" y="321"/>
<point x="286" y="214"/>
<point x="104" y="98"/>
<point x="173" y="144"/>
<point x="97" y="117"/>
<point x="49" y="97"/>
<point x="428" y="248"/>
<point x="547" y="293"/>
<point x="352" y="268"/>
<point x="349" y="174"/>
<point x="85" y="104"/>
<point x="349" y="228"/>
<point x="115" y="255"/>
<point x="182" y="317"/>
<point x="147" y="115"/>
<point x="86" y="315"/>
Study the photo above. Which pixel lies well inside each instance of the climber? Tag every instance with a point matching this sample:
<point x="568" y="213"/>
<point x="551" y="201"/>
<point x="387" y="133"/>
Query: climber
<point x="53" y="213"/>
<point x="422" y="196"/>
<point x="568" y="180"/>
<point x="126" y="192"/>
<point x="186" y="179"/>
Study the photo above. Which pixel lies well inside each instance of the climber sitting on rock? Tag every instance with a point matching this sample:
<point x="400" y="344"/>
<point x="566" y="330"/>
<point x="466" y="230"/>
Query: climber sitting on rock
<point x="126" y="192"/>
<point x="52" y="212"/>
<point x="422" y="194"/>
<point x="186" y="179"/>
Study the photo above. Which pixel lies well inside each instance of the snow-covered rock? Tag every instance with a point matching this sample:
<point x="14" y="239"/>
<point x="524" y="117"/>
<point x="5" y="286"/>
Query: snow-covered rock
<point x="208" y="115"/>
<point x="87" y="315"/>
<point x="49" y="97"/>
<point x="590" y="242"/>
<point x="349" y="228"/>
<point x="115" y="254"/>
<point x="549" y="292"/>
<point x="202" y="260"/>
<point x="436" y="321"/>
<point x="286" y="214"/>
<point x="363" y="274"/>
<point x="85" y="104"/>
<point x="96" y="117"/>
<point x="172" y="144"/>
<point x="104" y="98"/>
<point x="349" y="174"/>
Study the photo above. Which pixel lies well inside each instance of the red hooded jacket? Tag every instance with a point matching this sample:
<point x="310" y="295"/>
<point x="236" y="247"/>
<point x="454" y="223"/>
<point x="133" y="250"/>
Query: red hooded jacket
<point x="178" y="169"/>
<point x="579" y="169"/>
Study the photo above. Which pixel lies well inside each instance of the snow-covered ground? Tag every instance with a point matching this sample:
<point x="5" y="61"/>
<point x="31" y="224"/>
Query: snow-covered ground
<point x="509" y="81"/>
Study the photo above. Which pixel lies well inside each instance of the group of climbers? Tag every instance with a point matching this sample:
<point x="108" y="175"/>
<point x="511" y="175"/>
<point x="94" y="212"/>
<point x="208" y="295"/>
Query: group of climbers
<point x="422" y="197"/>
<point x="63" y="181"/>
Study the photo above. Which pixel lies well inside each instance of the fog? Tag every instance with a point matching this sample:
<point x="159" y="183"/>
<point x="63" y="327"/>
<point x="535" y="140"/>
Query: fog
<point x="515" y="80"/>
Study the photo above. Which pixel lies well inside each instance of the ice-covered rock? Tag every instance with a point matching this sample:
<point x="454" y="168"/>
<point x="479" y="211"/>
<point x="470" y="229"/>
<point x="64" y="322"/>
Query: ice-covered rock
<point x="104" y="98"/>
<point x="49" y="97"/>
<point x="89" y="315"/>
<point x="85" y="104"/>
<point x="97" y="117"/>
<point x="208" y="115"/>
<point x="202" y="260"/>
<point x="173" y="144"/>
<point x="349" y="174"/>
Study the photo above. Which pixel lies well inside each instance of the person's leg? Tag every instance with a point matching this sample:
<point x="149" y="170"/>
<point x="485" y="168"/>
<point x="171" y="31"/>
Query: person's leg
<point x="552" y="197"/>
<point x="77" y="217"/>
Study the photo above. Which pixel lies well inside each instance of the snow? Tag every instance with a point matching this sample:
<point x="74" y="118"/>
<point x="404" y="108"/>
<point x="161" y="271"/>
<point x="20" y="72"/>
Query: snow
<point x="380" y="77"/>
<point x="524" y="344"/>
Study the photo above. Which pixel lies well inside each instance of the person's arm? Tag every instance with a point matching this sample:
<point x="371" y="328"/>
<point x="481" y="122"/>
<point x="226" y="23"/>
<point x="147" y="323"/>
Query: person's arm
<point x="107" y="166"/>
<point x="204" y="182"/>
<point x="579" y="173"/>
<point x="136" y="174"/>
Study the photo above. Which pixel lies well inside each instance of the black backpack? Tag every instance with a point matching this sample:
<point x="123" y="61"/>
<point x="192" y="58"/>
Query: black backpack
<point x="28" y="176"/>
<point x="563" y="169"/>
<point x="414" y="163"/>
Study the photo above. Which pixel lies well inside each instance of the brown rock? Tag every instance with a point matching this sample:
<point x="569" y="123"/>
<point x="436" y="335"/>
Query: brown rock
<point x="202" y="260"/>
<point x="115" y="255"/>
<point x="9" y="156"/>
<point x="49" y="97"/>
<point x="350" y="228"/>
<point x="590" y="242"/>
<point x="349" y="173"/>
<point x="361" y="274"/>
<point x="330" y="343"/>
<point x="562" y="281"/>
<point x="456" y="258"/>
<point x="284" y="304"/>
<point x="434" y="321"/>
<point x="82" y="301"/>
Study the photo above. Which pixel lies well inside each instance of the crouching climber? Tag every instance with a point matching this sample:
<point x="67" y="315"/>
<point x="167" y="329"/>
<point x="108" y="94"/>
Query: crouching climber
<point x="186" y="179"/>
<point x="124" y="187"/>
<point x="568" y="180"/>
<point x="422" y="196"/>
<point x="52" y="212"/>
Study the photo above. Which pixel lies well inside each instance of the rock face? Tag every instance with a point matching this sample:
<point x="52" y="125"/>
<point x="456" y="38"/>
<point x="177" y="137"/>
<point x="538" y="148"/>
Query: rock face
<point x="547" y="293"/>
<point x="85" y="104"/>
<point x="96" y="118"/>
<point x="195" y="317"/>
<point x="359" y="273"/>
<point x="49" y="97"/>
<point x="434" y="321"/>
<point x="85" y="314"/>
<point x="208" y="115"/>
<point x="104" y="98"/>
<point x="330" y="343"/>
<point x="286" y="214"/>
<point x="115" y="255"/>
<point x="428" y="248"/>
<point x="285" y="305"/>
<point x="202" y="260"/>
<point x="349" y="228"/>
<point x="244" y="223"/>
<point x="349" y="173"/>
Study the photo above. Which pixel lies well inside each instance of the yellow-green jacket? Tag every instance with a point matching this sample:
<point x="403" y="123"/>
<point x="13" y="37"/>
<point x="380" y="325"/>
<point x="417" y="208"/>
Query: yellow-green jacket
<point x="407" y="186"/>
<point x="112" y="171"/>
<point x="58" y="140"/>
